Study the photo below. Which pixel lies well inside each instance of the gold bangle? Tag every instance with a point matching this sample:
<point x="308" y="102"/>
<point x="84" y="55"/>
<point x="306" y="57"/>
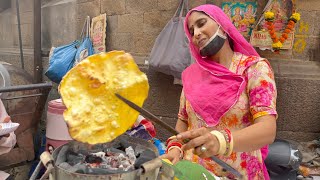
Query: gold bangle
<point x="221" y="140"/>
<point x="172" y="137"/>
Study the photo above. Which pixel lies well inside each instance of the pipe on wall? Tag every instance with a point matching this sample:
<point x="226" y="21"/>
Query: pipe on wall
<point x="37" y="41"/>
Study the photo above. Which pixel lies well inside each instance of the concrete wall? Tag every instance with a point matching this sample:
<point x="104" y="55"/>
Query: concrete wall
<point x="133" y="26"/>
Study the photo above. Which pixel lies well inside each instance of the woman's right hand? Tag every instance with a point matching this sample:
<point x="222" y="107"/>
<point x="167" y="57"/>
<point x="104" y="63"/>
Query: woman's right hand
<point x="173" y="155"/>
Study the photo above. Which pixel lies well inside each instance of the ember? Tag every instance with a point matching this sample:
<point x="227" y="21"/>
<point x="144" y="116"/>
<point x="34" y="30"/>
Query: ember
<point x="93" y="159"/>
<point x="121" y="157"/>
<point x="112" y="160"/>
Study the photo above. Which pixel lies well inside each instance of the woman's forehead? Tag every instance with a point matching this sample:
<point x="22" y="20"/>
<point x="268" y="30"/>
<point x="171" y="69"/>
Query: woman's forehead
<point x="196" y="15"/>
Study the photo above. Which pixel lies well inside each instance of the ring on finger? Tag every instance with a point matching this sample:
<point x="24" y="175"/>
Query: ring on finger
<point x="203" y="149"/>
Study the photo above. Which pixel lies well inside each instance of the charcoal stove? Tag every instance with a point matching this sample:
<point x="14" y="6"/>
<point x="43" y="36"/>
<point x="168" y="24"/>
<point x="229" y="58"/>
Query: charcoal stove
<point x="90" y="156"/>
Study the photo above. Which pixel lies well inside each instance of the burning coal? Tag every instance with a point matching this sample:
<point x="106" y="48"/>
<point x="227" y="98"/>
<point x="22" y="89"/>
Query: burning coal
<point x="121" y="157"/>
<point x="112" y="160"/>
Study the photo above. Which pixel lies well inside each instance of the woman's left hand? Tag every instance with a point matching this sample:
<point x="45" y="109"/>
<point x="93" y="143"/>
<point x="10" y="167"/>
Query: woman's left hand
<point x="7" y="119"/>
<point x="204" y="143"/>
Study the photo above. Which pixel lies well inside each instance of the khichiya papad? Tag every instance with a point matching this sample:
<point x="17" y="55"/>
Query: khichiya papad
<point x="94" y="114"/>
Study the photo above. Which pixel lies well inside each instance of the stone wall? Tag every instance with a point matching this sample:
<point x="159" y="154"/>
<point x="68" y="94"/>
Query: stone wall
<point x="133" y="26"/>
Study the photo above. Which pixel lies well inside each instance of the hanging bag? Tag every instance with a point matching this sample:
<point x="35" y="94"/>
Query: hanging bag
<point x="170" y="53"/>
<point x="86" y="47"/>
<point x="61" y="61"/>
<point x="63" y="58"/>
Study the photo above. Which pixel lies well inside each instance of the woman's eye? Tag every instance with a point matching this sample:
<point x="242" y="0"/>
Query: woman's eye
<point x="202" y="23"/>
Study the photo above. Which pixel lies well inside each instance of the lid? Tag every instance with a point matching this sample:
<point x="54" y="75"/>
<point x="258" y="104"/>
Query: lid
<point x="57" y="104"/>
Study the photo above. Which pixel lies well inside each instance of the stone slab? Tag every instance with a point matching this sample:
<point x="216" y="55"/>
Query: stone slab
<point x="143" y="42"/>
<point x="298" y="105"/>
<point x="88" y="8"/>
<point x="120" y="41"/>
<point x="168" y="5"/>
<point x="113" y="7"/>
<point x="193" y="4"/>
<point x="310" y="5"/>
<point x="112" y="24"/>
<point x="297" y="136"/>
<point x="140" y="6"/>
<point x="164" y="96"/>
<point x="307" y="22"/>
<point x="152" y="21"/>
<point x="130" y="23"/>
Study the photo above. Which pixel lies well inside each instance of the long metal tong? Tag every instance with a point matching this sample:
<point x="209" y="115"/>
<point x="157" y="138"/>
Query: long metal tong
<point x="158" y="121"/>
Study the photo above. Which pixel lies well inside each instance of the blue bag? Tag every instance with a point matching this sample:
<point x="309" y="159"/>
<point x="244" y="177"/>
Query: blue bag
<point x="86" y="47"/>
<point x="61" y="61"/>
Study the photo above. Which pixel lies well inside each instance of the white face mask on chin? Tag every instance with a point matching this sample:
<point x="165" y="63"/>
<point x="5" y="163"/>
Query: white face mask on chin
<point x="214" y="44"/>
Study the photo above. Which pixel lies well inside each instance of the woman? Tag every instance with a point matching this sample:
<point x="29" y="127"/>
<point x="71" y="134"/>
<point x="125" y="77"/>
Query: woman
<point x="227" y="106"/>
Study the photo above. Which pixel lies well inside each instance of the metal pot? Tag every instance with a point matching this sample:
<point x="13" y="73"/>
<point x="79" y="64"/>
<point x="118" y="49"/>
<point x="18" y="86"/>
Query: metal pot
<point x="148" y="171"/>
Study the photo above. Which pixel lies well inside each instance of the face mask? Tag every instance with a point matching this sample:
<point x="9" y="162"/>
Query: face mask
<point x="214" y="44"/>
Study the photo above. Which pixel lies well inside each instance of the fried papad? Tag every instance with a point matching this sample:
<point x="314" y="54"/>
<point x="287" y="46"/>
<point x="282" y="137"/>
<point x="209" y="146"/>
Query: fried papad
<point x="94" y="114"/>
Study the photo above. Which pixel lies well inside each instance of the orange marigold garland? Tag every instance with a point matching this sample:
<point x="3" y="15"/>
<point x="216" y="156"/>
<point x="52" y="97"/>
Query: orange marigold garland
<point x="278" y="42"/>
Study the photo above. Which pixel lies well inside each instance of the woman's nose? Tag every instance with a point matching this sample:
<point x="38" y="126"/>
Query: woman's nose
<point x="197" y="33"/>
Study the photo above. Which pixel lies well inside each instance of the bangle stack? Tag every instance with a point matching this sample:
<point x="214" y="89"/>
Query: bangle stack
<point x="222" y="142"/>
<point x="225" y="140"/>
<point x="170" y="139"/>
<point x="172" y="143"/>
<point x="229" y="141"/>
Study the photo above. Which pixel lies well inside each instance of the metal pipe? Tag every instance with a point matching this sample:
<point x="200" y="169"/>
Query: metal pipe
<point x="37" y="41"/>
<point x="19" y="31"/>
<point x="49" y="170"/>
<point x="36" y="171"/>
<point x="47" y="85"/>
<point x="25" y="96"/>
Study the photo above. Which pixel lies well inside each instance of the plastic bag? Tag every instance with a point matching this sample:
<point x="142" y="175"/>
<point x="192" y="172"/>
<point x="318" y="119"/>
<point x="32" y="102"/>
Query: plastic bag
<point x="86" y="47"/>
<point x="61" y="61"/>
<point x="170" y="53"/>
<point x="63" y="58"/>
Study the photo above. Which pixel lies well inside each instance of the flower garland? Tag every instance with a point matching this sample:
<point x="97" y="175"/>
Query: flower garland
<point x="278" y="42"/>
